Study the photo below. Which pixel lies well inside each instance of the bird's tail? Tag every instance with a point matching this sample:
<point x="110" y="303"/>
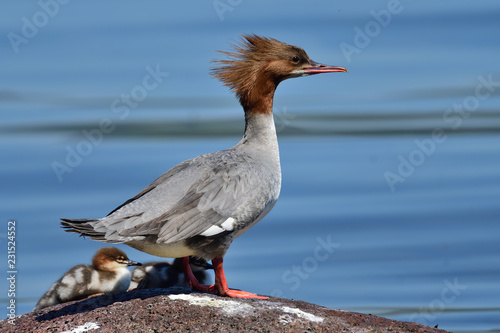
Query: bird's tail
<point x="84" y="227"/>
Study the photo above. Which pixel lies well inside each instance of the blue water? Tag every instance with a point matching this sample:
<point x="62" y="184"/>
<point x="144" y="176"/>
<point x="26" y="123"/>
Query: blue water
<point x="390" y="202"/>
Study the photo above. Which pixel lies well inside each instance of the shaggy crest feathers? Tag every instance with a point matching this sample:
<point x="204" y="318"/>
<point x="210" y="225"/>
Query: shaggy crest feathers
<point x="250" y="64"/>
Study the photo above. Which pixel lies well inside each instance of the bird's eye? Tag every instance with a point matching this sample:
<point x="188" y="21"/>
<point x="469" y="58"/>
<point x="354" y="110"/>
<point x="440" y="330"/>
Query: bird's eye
<point x="295" y="59"/>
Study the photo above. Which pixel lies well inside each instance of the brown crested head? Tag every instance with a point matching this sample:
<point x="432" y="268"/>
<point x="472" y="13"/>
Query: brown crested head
<point x="111" y="258"/>
<point x="258" y="64"/>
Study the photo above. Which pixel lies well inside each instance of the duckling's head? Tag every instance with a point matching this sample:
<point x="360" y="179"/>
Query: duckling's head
<point x="111" y="259"/>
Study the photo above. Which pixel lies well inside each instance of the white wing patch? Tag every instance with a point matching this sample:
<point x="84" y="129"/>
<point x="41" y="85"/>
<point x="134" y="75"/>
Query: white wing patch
<point x="227" y="225"/>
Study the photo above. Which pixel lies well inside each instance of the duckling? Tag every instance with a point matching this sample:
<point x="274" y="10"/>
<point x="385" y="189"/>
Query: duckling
<point x="108" y="274"/>
<point x="163" y="274"/>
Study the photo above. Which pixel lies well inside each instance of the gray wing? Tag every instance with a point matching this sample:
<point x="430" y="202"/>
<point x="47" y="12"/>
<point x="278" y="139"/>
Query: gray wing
<point x="163" y="178"/>
<point x="198" y="197"/>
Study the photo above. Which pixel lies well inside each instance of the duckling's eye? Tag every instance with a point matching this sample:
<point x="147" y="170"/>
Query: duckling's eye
<point x="295" y="59"/>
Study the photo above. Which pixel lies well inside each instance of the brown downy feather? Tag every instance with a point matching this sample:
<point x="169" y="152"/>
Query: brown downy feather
<point x="107" y="254"/>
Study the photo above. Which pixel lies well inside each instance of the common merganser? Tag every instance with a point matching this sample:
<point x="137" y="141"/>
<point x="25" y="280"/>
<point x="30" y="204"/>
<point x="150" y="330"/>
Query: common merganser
<point x="163" y="274"/>
<point x="108" y="274"/>
<point x="200" y="206"/>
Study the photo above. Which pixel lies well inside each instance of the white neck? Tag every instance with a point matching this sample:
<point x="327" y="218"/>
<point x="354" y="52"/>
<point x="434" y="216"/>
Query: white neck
<point x="260" y="131"/>
<point x="260" y="138"/>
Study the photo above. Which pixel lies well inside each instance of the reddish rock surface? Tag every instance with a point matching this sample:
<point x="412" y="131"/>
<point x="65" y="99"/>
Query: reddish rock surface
<point x="178" y="310"/>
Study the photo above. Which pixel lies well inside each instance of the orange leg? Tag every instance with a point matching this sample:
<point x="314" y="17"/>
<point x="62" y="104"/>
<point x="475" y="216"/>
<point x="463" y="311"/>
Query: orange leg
<point x="220" y="287"/>
<point x="192" y="280"/>
<point x="221" y="283"/>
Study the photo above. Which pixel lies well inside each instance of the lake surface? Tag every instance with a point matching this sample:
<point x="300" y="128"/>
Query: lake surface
<point x="390" y="201"/>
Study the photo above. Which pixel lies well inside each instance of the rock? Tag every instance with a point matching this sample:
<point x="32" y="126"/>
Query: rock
<point x="179" y="310"/>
